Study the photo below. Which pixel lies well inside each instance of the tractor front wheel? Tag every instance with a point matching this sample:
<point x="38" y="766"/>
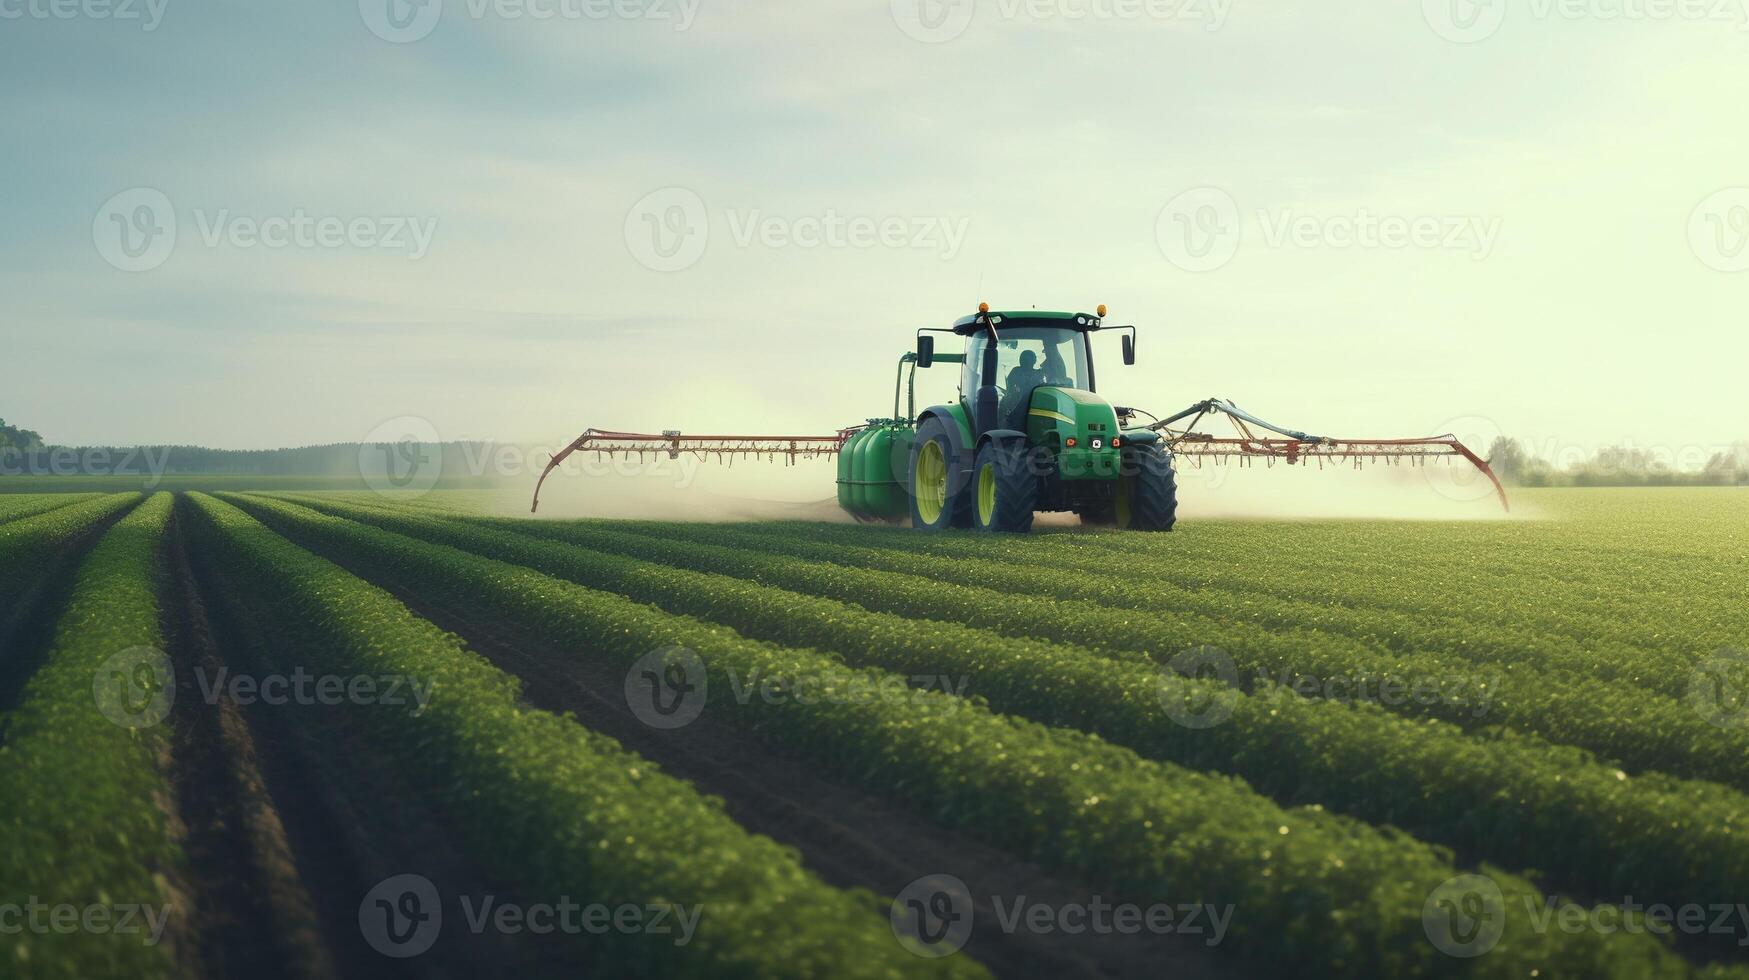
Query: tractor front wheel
<point x="1146" y="495"/>
<point x="1005" y="488"/>
<point x="939" y="497"/>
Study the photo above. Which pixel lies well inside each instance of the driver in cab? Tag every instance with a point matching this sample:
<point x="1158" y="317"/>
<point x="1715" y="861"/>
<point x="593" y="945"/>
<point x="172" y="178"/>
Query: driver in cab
<point x="1021" y="381"/>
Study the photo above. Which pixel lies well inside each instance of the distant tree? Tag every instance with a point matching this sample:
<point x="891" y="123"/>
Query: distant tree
<point x="1508" y="459"/>
<point x="12" y="437"/>
<point x="1730" y="466"/>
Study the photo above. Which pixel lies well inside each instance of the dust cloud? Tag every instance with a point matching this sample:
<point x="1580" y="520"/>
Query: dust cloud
<point x="762" y="491"/>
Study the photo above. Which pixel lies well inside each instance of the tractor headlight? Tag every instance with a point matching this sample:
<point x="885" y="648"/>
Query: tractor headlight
<point x="1069" y="442"/>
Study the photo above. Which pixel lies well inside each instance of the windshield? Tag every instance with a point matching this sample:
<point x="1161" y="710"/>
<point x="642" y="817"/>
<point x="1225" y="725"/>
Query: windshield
<point x="1027" y="357"/>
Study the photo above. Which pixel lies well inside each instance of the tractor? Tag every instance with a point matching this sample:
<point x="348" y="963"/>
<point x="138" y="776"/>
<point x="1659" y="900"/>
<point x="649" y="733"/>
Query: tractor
<point x="1029" y="433"/>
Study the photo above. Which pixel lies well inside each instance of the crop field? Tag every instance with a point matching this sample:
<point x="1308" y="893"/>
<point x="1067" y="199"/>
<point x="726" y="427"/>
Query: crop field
<point x="306" y="733"/>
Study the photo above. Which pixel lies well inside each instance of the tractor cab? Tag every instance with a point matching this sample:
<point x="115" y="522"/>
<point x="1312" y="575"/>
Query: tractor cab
<point x="1029" y="355"/>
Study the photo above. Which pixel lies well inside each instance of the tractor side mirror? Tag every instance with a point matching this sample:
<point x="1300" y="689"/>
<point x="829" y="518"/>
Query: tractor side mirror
<point x="925" y="350"/>
<point x="1129" y="349"/>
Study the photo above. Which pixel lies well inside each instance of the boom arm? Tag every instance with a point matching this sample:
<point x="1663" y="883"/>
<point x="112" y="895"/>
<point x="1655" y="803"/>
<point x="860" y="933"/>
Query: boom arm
<point x="672" y="443"/>
<point x="1294" y="446"/>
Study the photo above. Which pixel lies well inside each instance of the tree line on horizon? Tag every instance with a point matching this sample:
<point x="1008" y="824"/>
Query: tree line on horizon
<point x="1616" y="466"/>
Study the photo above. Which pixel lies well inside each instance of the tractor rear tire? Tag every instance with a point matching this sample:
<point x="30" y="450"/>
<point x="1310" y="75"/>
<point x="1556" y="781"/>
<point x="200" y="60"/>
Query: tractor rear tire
<point x="940" y="496"/>
<point x="1004" y="488"/>
<point x="1147" y="492"/>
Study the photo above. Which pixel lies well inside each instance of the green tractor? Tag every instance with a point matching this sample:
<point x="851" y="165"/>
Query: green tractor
<point x="1027" y="434"/>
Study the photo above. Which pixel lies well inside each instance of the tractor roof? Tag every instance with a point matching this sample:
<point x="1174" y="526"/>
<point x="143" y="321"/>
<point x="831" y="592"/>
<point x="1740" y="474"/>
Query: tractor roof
<point x="1073" y="321"/>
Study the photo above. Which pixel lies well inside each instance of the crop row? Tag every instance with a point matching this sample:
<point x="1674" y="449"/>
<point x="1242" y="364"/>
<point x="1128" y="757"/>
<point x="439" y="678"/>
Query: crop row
<point x="1144" y="581"/>
<point x="1312" y="892"/>
<point x="1678" y="590"/>
<point x="30" y="544"/>
<point x="14" y="506"/>
<point x="1620" y="596"/>
<point x="1617" y="721"/>
<point x="81" y="824"/>
<point x="1516" y="802"/>
<point x="1619" y="583"/>
<point x="557" y="804"/>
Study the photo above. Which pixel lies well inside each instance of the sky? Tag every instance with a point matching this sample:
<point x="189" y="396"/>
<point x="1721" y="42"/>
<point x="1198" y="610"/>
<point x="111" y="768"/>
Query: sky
<point x="254" y="225"/>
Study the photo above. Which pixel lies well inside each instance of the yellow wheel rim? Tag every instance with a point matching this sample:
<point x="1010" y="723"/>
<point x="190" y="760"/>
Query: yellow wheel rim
<point x="1121" y="503"/>
<point x="931" y="482"/>
<point x="986" y="494"/>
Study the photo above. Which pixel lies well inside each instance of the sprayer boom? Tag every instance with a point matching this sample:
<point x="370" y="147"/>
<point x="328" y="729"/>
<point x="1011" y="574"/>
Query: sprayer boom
<point x="672" y="444"/>
<point x="1294" y="446"/>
